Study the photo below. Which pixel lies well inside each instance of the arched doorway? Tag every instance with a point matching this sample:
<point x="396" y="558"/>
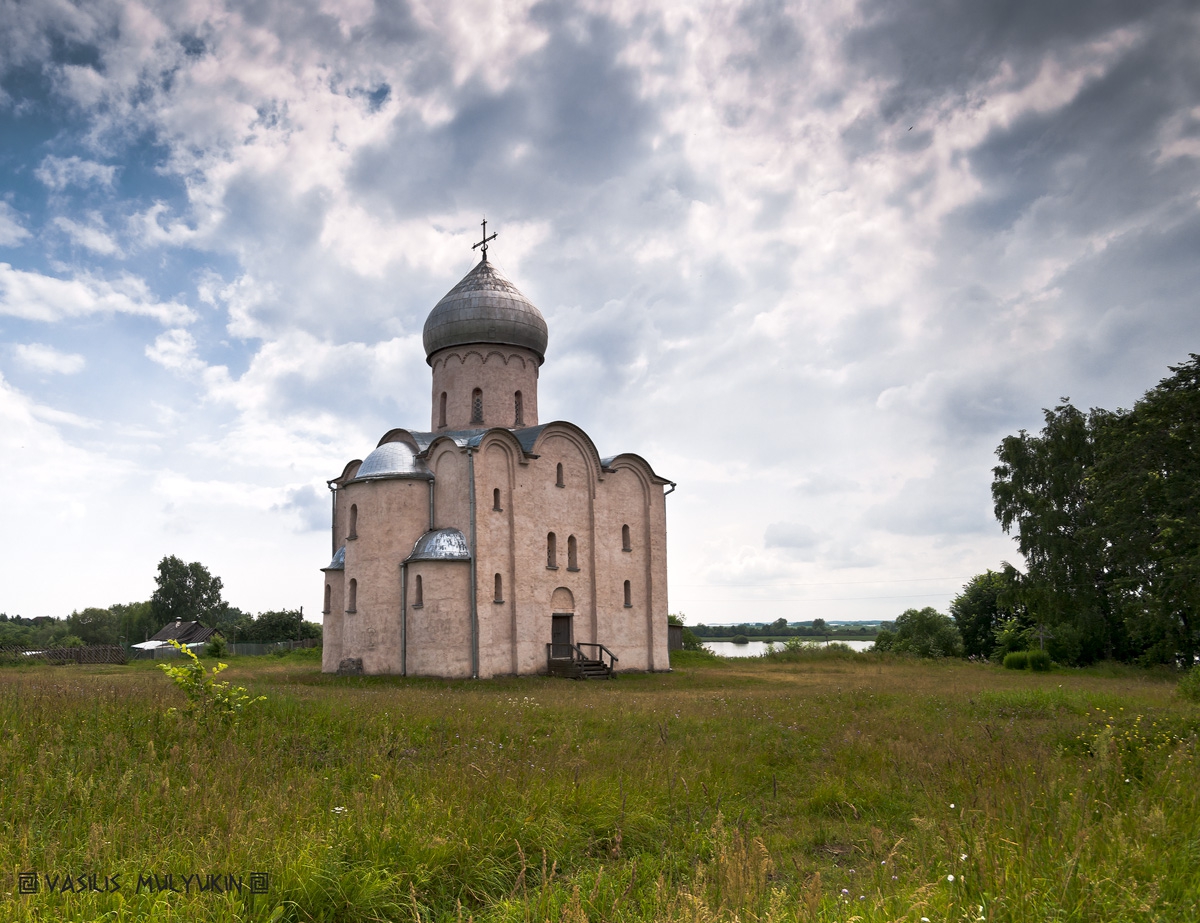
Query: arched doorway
<point x="562" y="609"/>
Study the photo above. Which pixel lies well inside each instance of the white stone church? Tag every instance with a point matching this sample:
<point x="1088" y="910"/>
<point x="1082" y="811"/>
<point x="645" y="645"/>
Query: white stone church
<point x="493" y="544"/>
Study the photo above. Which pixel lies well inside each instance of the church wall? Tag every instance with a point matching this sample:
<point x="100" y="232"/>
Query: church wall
<point x="495" y="548"/>
<point x="452" y="500"/>
<point x="439" y="630"/>
<point x="622" y="500"/>
<point x="392" y="515"/>
<point x="498" y="371"/>
<point x="331" y="621"/>
<point x="540" y="506"/>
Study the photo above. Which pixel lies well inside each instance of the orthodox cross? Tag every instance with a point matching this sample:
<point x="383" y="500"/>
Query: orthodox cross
<point x="483" y="243"/>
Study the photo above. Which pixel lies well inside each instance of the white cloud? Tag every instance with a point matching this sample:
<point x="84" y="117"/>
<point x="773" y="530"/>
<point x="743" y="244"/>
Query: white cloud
<point x="43" y="358"/>
<point x="33" y="296"/>
<point x="93" y="236"/>
<point x="58" y="173"/>
<point x="12" y="232"/>
<point x="175" y="350"/>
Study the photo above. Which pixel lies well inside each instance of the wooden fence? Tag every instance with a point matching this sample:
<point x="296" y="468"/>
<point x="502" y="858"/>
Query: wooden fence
<point x="93" y="653"/>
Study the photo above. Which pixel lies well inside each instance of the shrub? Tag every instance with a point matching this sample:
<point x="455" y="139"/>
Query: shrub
<point x="1039" y="660"/>
<point x="215" y="647"/>
<point x="1016" y="660"/>
<point x="740" y="639"/>
<point x="923" y="632"/>
<point x="206" y="697"/>
<point x="1189" y="686"/>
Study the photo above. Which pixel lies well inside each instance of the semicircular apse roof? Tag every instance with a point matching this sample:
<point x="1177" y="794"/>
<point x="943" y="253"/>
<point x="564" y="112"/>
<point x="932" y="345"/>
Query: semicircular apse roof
<point x="441" y="545"/>
<point x="393" y="460"/>
<point x="485" y="308"/>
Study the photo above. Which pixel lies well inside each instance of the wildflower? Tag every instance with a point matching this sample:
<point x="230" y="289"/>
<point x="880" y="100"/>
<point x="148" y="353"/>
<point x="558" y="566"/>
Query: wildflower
<point x="949" y="878"/>
<point x="963" y="857"/>
<point x="340" y="810"/>
<point x="924" y="919"/>
<point x="845" y="890"/>
<point x="951" y="808"/>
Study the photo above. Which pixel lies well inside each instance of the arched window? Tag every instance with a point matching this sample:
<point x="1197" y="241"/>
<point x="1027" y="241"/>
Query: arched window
<point x="353" y="521"/>
<point x="353" y="600"/>
<point x="572" y="553"/>
<point x="628" y="595"/>
<point x="477" y="406"/>
<point x="496" y="500"/>
<point x="519" y="406"/>
<point x="418" y="594"/>
<point x="558" y="481"/>
<point x="442" y="410"/>
<point x="625" y="546"/>
<point x="328" y="598"/>
<point x="551" y="550"/>
<point x="499" y="589"/>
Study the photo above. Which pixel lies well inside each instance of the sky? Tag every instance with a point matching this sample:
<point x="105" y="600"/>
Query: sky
<point x="812" y="260"/>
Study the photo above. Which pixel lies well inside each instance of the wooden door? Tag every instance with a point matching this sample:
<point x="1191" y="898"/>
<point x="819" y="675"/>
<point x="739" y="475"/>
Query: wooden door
<point x="560" y="636"/>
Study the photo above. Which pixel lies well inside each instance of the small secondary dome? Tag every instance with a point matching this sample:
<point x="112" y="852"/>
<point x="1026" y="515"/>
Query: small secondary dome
<point x="441" y="545"/>
<point x="393" y="460"/>
<point x="485" y="308"/>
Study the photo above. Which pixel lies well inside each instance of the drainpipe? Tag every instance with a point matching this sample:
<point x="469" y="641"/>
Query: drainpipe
<point x="404" y="618"/>
<point x="430" y="505"/>
<point x="672" y="490"/>
<point x="474" y="600"/>
<point x="332" y="515"/>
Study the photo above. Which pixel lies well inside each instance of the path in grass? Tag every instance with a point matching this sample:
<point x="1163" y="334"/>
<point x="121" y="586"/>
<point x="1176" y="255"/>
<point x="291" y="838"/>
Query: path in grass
<point x="818" y="788"/>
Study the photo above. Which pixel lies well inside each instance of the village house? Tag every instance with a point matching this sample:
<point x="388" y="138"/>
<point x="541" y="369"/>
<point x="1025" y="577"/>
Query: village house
<point x="491" y="543"/>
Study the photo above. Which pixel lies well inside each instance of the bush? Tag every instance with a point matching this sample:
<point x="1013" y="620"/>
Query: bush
<point x="923" y="632"/>
<point x="215" y="647"/>
<point x="740" y="639"/>
<point x="1039" y="660"/>
<point x="1189" y="686"/>
<point x="206" y="698"/>
<point x="1016" y="660"/>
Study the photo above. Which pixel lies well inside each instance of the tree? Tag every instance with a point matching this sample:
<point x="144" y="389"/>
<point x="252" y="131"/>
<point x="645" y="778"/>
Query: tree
<point x="187" y="592"/>
<point x="978" y="610"/>
<point x="923" y="632"/>
<point x="95" y="626"/>
<point x="819" y="625"/>
<point x="281" y="625"/>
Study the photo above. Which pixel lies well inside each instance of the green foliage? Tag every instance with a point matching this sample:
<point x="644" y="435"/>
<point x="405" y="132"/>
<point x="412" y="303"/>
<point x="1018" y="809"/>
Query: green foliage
<point x="187" y="592"/>
<point x="206" y="698"/>
<point x="215" y="647"/>
<point x="1189" y="686"/>
<point x="740" y="639"/>
<point x="1039" y="661"/>
<point x="978" y="610"/>
<point x="1104" y="505"/>
<point x="819" y="625"/>
<point x="1016" y="660"/>
<point x="923" y="632"/>
<point x="280" y="625"/>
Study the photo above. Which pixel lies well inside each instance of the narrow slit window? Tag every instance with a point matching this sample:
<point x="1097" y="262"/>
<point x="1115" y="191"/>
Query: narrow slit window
<point x="353" y="521"/>
<point x="353" y="600"/>
<point x="558" y="476"/>
<point x="628" y="595"/>
<point x="496" y="500"/>
<point x="625" y="546"/>
<point x="499" y="589"/>
<point x="418" y="594"/>
<point x="442" y="410"/>
<point x="551" y="550"/>
<point x="519" y="410"/>
<point x="572" y="553"/>
<point x="477" y="406"/>
<point x="328" y="598"/>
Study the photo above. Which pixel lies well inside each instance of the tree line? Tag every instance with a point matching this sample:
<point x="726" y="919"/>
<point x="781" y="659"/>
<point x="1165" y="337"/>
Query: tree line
<point x="1105" y="508"/>
<point x="781" y="628"/>
<point x="188" y="592"/>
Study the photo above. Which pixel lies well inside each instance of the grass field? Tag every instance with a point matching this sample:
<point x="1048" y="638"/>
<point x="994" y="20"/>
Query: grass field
<point x="821" y="786"/>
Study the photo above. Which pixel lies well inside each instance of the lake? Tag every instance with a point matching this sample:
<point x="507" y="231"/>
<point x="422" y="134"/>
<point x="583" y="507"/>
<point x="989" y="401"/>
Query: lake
<point x="758" y="648"/>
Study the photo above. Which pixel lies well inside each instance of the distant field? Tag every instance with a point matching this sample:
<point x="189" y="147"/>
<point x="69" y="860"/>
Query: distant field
<point x="825" y="787"/>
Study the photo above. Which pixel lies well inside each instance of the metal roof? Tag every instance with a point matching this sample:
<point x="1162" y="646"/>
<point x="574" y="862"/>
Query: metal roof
<point x="485" y="308"/>
<point x="339" y="560"/>
<point x="441" y="545"/>
<point x="392" y="460"/>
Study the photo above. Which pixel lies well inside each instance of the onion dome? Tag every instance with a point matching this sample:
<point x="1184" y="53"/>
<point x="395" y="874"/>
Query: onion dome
<point x="485" y="308"/>
<point x="441" y="545"/>
<point x="393" y="460"/>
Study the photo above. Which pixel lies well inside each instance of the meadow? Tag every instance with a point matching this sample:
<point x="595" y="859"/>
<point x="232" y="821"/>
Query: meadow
<point x="814" y="786"/>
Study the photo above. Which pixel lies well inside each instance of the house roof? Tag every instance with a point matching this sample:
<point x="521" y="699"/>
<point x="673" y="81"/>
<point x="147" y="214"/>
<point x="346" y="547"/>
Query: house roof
<point x="184" y="632"/>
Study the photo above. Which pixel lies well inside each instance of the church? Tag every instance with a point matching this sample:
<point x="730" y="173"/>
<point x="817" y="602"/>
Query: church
<point x="492" y="544"/>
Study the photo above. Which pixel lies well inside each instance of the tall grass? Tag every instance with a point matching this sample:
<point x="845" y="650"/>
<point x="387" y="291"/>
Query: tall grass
<point x="816" y="788"/>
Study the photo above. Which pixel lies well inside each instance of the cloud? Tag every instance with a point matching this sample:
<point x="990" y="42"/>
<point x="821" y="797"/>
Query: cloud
<point x="57" y="173"/>
<point x="175" y="350"/>
<point x="12" y="232"/>
<point x="310" y="505"/>
<point x="33" y="296"/>
<point x="793" y="535"/>
<point x="42" y="358"/>
<point x="92" y="236"/>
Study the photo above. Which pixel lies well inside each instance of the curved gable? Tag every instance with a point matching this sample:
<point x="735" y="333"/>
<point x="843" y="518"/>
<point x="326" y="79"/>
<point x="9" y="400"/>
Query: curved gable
<point x="579" y="438"/>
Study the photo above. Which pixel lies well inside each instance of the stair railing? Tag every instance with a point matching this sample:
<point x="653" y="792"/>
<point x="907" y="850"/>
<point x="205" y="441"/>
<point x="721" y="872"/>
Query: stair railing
<point x="612" y="658"/>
